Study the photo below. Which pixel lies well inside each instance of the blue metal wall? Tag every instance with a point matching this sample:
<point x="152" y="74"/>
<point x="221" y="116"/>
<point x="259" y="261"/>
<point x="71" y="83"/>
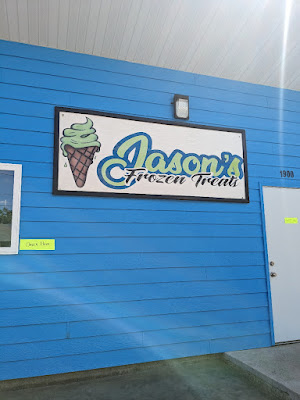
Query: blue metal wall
<point x="133" y="280"/>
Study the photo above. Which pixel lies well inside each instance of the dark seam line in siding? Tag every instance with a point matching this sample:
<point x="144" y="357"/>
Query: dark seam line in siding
<point x="139" y="102"/>
<point x="27" y="145"/>
<point x="130" y="333"/>
<point x="141" y="223"/>
<point x="144" y="252"/>
<point x="161" y="237"/>
<point x="135" y="300"/>
<point x="270" y="154"/>
<point x="170" y="252"/>
<point x="122" y="74"/>
<point x="133" y="210"/>
<point x="237" y="236"/>
<point x="145" y="77"/>
<point x="161" y="118"/>
<point x="131" y="348"/>
<point x="128" y="99"/>
<point x="142" y="209"/>
<point x="25" y="130"/>
<point x="130" y="223"/>
<point x="153" y="330"/>
<point x="231" y="279"/>
<point x="250" y="140"/>
<point x="131" y="284"/>
<point x="148" y="252"/>
<point x="130" y="269"/>
<point x="137" y="316"/>
<point x="150" y="102"/>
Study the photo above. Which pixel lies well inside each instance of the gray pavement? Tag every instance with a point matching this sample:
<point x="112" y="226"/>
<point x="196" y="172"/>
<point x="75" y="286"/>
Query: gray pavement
<point x="209" y="377"/>
<point x="279" y="366"/>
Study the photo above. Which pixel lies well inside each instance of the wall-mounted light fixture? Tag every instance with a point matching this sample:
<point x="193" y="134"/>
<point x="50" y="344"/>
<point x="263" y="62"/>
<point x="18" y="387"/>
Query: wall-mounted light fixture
<point x="181" y="106"/>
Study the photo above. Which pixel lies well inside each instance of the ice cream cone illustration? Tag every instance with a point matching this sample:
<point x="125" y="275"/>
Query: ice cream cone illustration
<point x="79" y="144"/>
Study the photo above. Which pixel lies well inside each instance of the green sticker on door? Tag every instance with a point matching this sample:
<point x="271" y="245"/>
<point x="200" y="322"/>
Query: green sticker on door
<point x="291" y="220"/>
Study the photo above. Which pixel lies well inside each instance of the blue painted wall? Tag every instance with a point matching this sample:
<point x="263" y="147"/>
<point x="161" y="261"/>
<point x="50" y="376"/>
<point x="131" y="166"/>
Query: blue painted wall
<point x="97" y="301"/>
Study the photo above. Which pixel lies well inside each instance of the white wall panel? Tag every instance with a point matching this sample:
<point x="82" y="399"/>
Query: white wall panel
<point x="4" y="34"/>
<point x="23" y="20"/>
<point x="239" y="40"/>
<point x="33" y="21"/>
<point x="63" y="24"/>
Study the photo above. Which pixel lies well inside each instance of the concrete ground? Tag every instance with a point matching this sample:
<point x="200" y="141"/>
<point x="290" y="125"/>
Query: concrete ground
<point x="279" y="366"/>
<point x="209" y="377"/>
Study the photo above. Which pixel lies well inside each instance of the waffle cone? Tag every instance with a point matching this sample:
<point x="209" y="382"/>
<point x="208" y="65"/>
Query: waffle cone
<point x="80" y="161"/>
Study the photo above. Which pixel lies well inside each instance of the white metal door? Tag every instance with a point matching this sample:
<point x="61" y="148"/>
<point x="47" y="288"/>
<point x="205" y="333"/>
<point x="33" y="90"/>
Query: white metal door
<point x="282" y="216"/>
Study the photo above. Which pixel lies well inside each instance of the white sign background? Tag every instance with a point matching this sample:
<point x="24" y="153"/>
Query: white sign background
<point x="166" y="138"/>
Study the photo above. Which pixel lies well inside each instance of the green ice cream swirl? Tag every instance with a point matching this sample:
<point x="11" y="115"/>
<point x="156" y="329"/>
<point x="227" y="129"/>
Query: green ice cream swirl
<point x="80" y="135"/>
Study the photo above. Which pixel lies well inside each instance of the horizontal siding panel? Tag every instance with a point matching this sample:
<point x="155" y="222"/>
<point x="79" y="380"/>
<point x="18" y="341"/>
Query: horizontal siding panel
<point x="119" y="277"/>
<point x="92" y="311"/>
<point x="72" y="74"/>
<point x="137" y="216"/>
<point x="81" y="295"/>
<point x="58" y="348"/>
<point x="29" y="351"/>
<point x="63" y="364"/>
<point x="28" y="263"/>
<point x="105" y="64"/>
<point x="31" y="333"/>
<point x="274" y="160"/>
<point x="113" y="85"/>
<point x="272" y="148"/>
<point x="241" y="343"/>
<point x="77" y="229"/>
<point x="96" y="278"/>
<point x="35" y="94"/>
<point x="53" y="365"/>
<point x="227" y="273"/>
<point x="26" y="123"/>
<point x="159" y="322"/>
<point x="281" y="103"/>
<point x="212" y="332"/>
<point x="153" y="244"/>
<point x="47" y="200"/>
<point x="26" y="138"/>
<point x="44" y="93"/>
<point x="272" y="137"/>
<point x="122" y="106"/>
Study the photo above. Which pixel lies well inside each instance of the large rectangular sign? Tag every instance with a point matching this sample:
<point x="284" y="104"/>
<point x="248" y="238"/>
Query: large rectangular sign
<point x="114" y="155"/>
